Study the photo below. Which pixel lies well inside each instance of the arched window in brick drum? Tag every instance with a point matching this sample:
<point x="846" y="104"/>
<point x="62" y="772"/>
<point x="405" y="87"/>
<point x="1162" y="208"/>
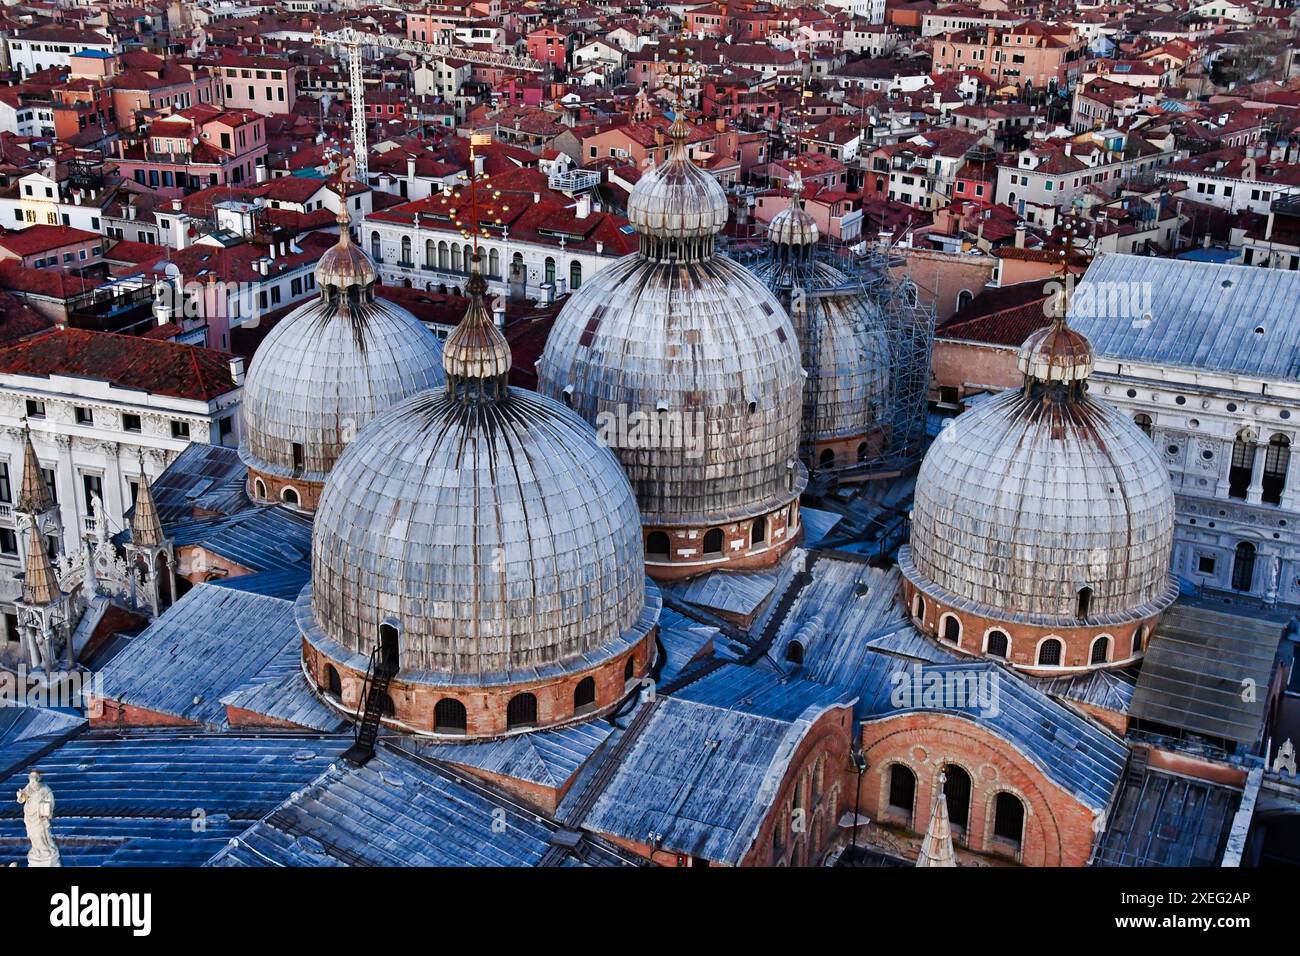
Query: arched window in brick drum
<point x="584" y="695"/>
<point x="332" y="682"/>
<point x="902" y="790"/>
<point x="657" y="544"/>
<point x="1085" y="601"/>
<point x="1100" y="650"/>
<point x="759" y="534"/>
<point x="1049" y="652"/>
<point x="956" y="790"/>
<point x="521" y="711"/>
<point x="1008" y="817"/>
<point x="998" y="645"/>
<point x="827" y="459"/>
<point x="1139" y="638"/>
<point x="449" y="716"/>
<point x="629" y="669"/>
<point x="713" y="541"/>
<point x="952" y="629"/>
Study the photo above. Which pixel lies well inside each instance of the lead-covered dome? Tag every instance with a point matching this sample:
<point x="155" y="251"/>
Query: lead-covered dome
<point x="843" y="339"/>
<point x="485" y="525"/>
<point x="1043" y="505"/>
<point x="326" y="371"/>
<point x="686" y="364"/>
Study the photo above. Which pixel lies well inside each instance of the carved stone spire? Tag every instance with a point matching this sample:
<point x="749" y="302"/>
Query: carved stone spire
<point x="40" y="583"/>
<point x="34" y="495"/>
<point x="936" y="849"/>
<point x="146" y="526"/>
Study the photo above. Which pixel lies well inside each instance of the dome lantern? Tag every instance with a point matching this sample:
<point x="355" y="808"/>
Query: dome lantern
<point x="345" y="270"/>
<point x="1056" y="354"/>
<point x="677" y="208"/>
<point x="476" y="355"/>
<point x="793" y="232"/>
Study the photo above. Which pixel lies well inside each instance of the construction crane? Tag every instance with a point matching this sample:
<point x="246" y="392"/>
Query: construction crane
<point x="353" y="41"/>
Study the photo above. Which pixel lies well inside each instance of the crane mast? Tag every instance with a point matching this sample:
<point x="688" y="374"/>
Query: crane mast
<point x="353" y="41"/>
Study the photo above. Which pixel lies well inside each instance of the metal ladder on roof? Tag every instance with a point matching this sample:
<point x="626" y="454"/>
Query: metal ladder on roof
<point x="379" y="673"/>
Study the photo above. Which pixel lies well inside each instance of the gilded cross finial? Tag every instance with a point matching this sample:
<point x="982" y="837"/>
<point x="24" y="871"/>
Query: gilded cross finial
<point x="482" y="198"/>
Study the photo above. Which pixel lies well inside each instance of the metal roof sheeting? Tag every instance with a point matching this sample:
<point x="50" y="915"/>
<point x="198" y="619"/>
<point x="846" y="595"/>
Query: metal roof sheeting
<point x="699" y="779"/>
<point x="204" y="477"/>
<point x="261" y="539"/>
<point x="1202" y="316"/>
<point x="1073" y="752"/>
<point x="1196" y="669"/>
<point x="398" y="810"/>
<point x="27" y="731"/>
<point x="1165" y="820"/>
<point x="211" y="642"/>
<point x="163" y="798"/>
<point x="547" y="757"/>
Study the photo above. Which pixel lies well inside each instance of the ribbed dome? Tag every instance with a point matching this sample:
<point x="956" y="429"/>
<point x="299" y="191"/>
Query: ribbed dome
<point x="701" y="343"/>
<point x="1039" y="493"/>
<point x="842" y="334"/>
<point x="489" y="525"/>
<point x="684" y="362"/>
<point x="324" y="372"/>
<point x="677" y="200"/>
<point x="498" y="537"/>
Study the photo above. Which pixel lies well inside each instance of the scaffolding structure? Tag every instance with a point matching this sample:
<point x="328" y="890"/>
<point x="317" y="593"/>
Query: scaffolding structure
<point x="879" y="272"/>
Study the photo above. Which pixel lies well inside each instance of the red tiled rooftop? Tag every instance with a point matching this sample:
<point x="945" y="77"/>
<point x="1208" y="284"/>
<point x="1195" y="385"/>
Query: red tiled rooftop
<point x="161" y="368"/>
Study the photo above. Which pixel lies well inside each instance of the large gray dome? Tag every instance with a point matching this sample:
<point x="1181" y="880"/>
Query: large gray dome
<point x="326" y="371"/>
<point x="487" y="524"/>
<point x="1043" y="491"/>
<point x="678" y="334"/>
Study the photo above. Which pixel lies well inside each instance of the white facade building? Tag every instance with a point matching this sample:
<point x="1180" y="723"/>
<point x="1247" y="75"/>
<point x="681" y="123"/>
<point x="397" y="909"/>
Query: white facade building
<point x="1202" y="358"/>
<point x="89" y="432"/>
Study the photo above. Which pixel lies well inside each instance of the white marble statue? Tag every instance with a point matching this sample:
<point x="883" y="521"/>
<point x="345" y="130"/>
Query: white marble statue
<point x="38" y="813"/>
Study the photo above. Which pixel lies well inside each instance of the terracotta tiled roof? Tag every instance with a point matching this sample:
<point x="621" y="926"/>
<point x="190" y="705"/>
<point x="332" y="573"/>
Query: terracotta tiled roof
<point x="160" y="368"/>
<point x="43" y="238"/>
<point x="1005" y="316"/>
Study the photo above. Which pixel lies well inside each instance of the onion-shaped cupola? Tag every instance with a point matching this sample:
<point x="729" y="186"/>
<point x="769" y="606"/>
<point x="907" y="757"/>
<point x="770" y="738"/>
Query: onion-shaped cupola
<point x="843" y="341"/>
<point x="1043" y="523"/>
<point x="689" y="368"/>
<point x="793" y="232"/>
<point x="484" y="537"/>
<point x="324" y="372"/>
